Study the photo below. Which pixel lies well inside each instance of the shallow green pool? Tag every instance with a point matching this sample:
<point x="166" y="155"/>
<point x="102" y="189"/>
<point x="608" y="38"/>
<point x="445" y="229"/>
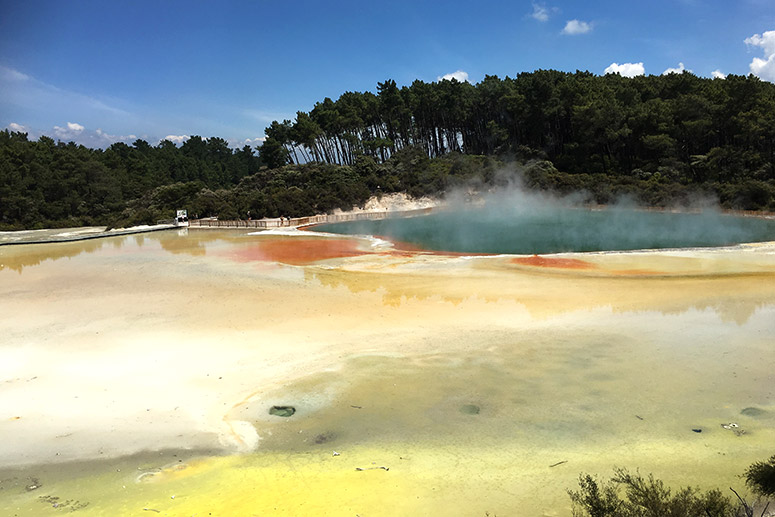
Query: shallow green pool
<point x="536" y="229"/>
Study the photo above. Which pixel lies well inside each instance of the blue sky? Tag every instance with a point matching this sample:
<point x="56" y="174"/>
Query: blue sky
<point x="103" y="71"/>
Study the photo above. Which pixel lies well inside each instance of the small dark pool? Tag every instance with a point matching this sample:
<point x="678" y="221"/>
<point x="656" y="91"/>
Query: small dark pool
<point x="554" y="230"/>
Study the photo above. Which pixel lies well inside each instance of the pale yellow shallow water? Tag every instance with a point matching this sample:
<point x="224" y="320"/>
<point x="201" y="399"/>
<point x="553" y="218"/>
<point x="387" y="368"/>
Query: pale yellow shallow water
<point x="136" y="375"/>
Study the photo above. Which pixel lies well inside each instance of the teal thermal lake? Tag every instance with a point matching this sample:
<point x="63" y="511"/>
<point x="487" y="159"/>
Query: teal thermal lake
<point x="557" y="230"/>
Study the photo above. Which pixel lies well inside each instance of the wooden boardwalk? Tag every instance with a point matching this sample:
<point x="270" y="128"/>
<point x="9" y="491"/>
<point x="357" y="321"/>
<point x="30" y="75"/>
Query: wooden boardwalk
<point x="295" y="222"/>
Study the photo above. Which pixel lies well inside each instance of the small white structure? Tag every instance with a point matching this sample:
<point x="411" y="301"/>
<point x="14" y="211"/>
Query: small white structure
<point x="181" y="219"/>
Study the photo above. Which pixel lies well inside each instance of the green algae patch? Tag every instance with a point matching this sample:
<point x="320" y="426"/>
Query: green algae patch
<point x="753" y="412"/>
<point x="283" y="411"/>
<point x="470" y="409"/>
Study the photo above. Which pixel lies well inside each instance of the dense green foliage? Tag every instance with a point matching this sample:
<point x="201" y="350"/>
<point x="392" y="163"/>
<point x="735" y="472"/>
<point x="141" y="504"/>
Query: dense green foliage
<point x="648" y="497"/>
<point x="48" y="184"/>
<point x="760" y="477"/>
<point x="658" y="139"/>
<point x="678" y="125"/>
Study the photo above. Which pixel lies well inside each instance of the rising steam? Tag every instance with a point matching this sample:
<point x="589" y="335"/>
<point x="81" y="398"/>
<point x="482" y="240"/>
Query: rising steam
<point x="512" y="219"/>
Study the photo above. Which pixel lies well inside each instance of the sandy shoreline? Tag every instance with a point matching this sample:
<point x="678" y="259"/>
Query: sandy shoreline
<point x="48" y="236"/>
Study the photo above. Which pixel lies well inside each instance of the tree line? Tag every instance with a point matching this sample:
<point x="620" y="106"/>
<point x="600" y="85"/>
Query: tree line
<point x="679" y="125"/>
<point x="45" y="183"/>
<point x="658" y="139"/>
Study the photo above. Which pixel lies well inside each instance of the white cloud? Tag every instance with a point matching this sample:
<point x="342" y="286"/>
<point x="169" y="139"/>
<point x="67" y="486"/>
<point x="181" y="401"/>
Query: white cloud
<point x="74" y="132"/>
<point x="626" y="69"/>
<point x="718" y="74"/>
<point x="237" y="143"/>
<point x="765" y="40"/>
<point x="13" y="126"/>
<point x="763" y="68"/>
<point x="540" y="12"/>
<point x="71" y="132"/>
<point x="574" y="27"/>
<point x="176" y="139"/>
<point x="459" y="75"/>
<point x="114" y="138"/>
<point x="67" y="133"/>
<point x="681" y="69"/>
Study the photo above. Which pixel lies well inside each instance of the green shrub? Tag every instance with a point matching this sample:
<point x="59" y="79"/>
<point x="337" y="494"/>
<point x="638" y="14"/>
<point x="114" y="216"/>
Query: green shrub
<point x="760" y="477"/>
<point x="644" y="497"/>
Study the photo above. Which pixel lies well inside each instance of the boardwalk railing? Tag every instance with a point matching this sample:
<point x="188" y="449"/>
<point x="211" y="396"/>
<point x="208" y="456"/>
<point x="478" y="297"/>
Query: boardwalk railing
<point x="357" y="216"/>
<point x="301" y="221"/>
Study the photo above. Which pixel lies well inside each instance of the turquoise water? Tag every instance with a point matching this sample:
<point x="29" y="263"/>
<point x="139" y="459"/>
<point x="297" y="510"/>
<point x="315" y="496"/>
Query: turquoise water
<point x="555" y="230"/>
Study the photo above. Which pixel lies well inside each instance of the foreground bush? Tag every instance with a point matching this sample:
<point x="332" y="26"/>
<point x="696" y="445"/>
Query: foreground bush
<point x="760" y="477"/>
<point x="644" y="497"/>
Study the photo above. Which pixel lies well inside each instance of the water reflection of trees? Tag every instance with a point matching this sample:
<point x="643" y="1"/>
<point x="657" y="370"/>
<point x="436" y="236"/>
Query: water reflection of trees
<point x="195" y="242"/>
<point x="734" y="298"/>
<point x="16" y="258"/>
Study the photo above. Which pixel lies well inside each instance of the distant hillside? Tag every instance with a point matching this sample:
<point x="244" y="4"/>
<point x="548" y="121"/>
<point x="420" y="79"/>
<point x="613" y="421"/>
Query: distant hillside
<point x="658" y="139"/>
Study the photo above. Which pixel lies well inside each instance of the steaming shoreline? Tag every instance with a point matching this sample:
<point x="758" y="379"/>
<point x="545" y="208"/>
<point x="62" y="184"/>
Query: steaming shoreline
<point x="398" y="204"/>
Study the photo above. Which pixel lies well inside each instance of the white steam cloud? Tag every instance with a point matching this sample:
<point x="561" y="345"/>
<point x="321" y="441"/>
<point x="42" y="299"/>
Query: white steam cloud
<point x="626" y="69"/>
<point x="514" y="220"/>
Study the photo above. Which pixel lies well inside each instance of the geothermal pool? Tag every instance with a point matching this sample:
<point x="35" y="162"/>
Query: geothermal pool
<point x="137" y="374"/>
<point x="529" y="228"/>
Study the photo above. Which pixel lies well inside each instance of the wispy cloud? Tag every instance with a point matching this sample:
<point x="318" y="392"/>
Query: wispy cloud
<point x="34" y="104"/>
<point x="9" y="74"/>
<point x="575" y="27"/>
<point x="24" y="91"/>
<point x="540" y="12"/>
<point x="459" y="75"/>
<point x="626" y="69"/>
<point x="38" y="108"/>
<point x="114" y="138"/>
<point x="763" y="68"/>
<point x="681" y="69"/>
<point x="718" y="74"/>
<point x="266" y="117"/>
